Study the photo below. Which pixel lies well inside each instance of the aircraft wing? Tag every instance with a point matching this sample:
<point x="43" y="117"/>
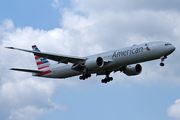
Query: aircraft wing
<point x="56" y="57"/>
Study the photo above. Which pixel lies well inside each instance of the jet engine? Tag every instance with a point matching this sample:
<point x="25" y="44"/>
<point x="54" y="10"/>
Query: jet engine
<point x="94" y="63"/>
<point x="133" y="70"/>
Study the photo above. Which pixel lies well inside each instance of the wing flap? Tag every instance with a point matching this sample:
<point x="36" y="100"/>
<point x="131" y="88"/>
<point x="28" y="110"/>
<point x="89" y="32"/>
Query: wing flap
<point x="26" y="70"/>
<point x="56" y="57"/>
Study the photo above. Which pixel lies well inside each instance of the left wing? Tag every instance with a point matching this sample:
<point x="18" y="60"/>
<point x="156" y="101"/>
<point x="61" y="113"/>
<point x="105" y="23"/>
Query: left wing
<point x="56" y="57"/>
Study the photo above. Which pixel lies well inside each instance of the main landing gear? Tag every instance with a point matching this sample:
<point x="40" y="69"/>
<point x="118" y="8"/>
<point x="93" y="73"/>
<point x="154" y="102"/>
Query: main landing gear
<point x="107" y="78"/>
<point x="84" y="76"/>
<point x="162" y="59"/>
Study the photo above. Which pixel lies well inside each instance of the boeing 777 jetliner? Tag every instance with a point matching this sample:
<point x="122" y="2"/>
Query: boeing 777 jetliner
<point x="125" y="60"/>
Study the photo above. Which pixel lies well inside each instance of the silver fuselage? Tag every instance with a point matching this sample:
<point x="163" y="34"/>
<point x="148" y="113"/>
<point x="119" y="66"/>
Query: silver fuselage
<point x="118" y="58"/>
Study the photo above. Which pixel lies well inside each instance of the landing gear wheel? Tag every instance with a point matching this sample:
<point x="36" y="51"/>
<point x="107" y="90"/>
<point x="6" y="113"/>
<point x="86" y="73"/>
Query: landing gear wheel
<point x="103" y="81"/>
<point x="107" y="79"/>
<point x="111" y="78"/>
<point x="84" y="76"/>
<point x="161" y="64"/>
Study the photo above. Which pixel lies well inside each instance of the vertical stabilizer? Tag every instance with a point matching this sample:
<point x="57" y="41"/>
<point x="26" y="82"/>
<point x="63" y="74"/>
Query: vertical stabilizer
<point x="40" y="61"/>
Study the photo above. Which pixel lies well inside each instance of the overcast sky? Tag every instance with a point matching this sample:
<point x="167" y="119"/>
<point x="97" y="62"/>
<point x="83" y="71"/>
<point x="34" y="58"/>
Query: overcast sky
<point x="82" y="28"/>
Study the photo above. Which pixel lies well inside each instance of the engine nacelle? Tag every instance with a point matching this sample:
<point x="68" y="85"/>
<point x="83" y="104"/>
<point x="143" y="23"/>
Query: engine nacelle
<point x="94" y="63"/>
<point x="133" y="70"/>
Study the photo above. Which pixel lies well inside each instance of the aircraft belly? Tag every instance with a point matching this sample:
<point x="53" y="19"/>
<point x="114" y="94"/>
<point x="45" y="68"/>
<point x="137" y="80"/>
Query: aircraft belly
<point x="64" y="72"/>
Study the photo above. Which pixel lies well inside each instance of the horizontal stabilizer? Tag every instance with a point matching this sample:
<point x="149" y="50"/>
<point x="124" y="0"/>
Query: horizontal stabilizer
<point x="26" y="70"/>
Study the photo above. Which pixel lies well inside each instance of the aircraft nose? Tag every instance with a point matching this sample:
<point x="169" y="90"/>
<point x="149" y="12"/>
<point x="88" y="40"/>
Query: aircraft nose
<point x="172" y="48"/>
<point x="169" y="48"/>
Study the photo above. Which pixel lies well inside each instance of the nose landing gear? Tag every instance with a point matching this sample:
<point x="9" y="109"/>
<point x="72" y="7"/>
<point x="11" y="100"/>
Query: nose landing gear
<point x="162" y="64"/>
<point x="162" y="59"/>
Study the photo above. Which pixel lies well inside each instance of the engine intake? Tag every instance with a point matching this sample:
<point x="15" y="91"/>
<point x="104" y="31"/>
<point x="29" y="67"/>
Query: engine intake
<point x="94" y="63"/>
<point x="133" y="70"/>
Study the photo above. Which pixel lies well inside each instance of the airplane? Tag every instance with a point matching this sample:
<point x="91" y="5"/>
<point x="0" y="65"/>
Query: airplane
<point x="125" y="60"/>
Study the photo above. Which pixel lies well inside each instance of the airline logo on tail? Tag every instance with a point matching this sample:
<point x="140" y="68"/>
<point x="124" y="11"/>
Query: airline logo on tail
<point x="41" y="62"/>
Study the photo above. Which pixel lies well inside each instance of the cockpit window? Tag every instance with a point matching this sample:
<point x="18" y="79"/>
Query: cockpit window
<point x="167" y="44"/>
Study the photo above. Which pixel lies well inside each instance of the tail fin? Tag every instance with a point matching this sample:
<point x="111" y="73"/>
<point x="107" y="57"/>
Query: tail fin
<point x="40" y="61"/>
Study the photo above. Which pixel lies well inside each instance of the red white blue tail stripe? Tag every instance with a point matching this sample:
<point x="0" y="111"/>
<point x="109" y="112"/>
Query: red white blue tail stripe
<point x="40" y="61"/>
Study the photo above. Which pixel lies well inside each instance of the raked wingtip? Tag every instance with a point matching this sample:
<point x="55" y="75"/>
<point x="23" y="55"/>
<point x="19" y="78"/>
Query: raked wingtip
<point x="10" y="47"/>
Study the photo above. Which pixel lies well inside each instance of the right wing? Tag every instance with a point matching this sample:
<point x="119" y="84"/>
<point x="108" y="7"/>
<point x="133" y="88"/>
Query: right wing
<point x="56" y="57"/>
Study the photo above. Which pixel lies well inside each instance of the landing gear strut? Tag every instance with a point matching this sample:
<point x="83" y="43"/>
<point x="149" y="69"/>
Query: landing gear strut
<point x="85" y="74"/>
<point x="107" y="78"/>
<point x="162" y="59"/>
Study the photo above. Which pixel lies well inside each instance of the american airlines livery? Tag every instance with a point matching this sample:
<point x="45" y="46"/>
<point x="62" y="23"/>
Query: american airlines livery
<point x="124" y="60"/>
